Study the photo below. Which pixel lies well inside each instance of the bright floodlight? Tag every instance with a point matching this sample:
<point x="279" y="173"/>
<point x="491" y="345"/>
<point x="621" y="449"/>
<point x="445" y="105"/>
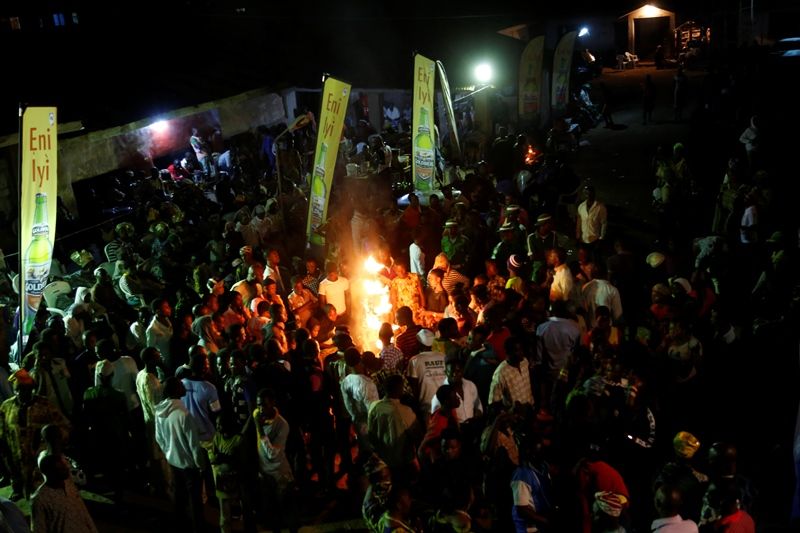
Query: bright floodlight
<point x="649" y="11"/>
<point x="159" y="126"/>
<point x="584" y="31"/>
<point x="483" y="73"/>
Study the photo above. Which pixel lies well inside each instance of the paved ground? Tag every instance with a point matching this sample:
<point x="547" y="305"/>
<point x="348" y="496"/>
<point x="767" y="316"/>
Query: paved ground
<point x="618" y="159"/>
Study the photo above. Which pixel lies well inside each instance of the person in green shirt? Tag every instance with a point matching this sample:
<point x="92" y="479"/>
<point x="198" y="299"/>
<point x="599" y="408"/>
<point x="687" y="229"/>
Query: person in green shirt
<point x="455" y="245"/>
<point x="228" y="459"/>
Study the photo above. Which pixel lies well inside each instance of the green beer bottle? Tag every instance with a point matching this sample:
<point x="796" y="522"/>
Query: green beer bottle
<point x="423" y="153"/>
<point x="318" y="194"/>
<point x="37" y="261"/>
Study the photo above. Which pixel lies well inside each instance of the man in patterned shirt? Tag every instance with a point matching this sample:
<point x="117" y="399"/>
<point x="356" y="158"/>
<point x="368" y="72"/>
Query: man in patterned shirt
<point x="390" y="354"/>
<point x="511" y="382"/>
<point x="240" y="389"/>
<point x="313" y="275"/>
<point x="56" y="504"/>
<point x="22" y="418"/>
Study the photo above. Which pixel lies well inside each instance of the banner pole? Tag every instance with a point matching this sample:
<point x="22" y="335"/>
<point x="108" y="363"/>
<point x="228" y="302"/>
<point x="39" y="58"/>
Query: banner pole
<point x="20" y="291"/>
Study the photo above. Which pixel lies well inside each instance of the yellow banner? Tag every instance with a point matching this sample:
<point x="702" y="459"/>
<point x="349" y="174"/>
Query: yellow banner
<point x="562" y="65"/>
<point x="530" y="79"/>
<point x="335" y="98"/>
<point x="423" y="156"/>
<point x="38" y="206"/>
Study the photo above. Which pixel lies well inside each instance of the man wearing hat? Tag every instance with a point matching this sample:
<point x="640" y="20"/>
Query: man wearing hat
<point x="83" y="277"/>
<point x="455" y="245"/>
<point x="542" y="239"/>
<point x="426" y="372"/>
<point x="681" y="474"/>
<point x="509" y="245"/>
<point x="22" y="418"/>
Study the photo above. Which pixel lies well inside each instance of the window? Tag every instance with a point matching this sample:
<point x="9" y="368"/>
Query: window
<point x="58" y="20"/>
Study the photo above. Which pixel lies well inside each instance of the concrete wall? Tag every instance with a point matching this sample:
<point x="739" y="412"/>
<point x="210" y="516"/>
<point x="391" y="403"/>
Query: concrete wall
<point x="135" y="145"/>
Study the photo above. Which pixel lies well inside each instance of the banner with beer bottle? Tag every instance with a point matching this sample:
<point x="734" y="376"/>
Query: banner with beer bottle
<point x="38" y="207"/>
<point x="530" y="79"/>
<point x="562" y="66"/>
<point x="423" y="156"/>
<point x="335" y="99"/>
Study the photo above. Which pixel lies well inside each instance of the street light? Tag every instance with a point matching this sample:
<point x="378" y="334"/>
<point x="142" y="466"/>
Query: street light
<point x="483" y="73"/>
<point x="584" y="32"/>
<point x="159" y="126"/>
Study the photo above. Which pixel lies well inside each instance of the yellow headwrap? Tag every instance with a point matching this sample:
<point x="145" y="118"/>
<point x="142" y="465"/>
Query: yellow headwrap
<point x="685" y="444"/>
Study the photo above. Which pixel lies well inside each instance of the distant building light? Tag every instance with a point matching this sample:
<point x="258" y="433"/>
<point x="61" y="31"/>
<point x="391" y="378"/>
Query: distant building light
<point x="584" y="32"/>
<point x="650" y="11"/>
<point x="58" y="19"/>
<point x="15" y="23"/>
<point x="75" y="18"/>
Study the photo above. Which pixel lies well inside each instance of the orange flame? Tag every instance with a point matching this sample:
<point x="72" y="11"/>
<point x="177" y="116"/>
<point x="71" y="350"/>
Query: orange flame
<point x="375" y="304"/>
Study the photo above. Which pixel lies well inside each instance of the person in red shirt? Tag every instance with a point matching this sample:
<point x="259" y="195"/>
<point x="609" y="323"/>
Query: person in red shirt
<point x="413" y="213"/>
<point x="443" y="418"/>
<point x="595" y="476"/>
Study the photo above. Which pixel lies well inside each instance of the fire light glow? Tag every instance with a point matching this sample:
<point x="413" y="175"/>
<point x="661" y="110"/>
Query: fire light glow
<point x="531" y="155"/>
<point x="375" y="304"/>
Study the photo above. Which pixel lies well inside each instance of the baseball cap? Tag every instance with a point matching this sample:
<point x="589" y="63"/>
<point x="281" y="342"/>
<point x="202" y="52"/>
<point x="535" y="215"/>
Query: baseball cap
<point x="426" y="337"/>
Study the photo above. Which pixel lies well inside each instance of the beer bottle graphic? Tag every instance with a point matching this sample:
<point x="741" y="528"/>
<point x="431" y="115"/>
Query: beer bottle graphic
<point x="318" y="193"/>
<point x="37" y="261"/>
<point x="423" y="153"/>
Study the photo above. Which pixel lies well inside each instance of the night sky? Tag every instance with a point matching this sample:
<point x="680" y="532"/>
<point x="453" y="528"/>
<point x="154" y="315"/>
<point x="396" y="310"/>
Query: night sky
<point x="128" y="60"/>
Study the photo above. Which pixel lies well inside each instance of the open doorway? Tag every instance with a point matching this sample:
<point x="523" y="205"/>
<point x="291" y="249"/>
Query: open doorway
<point x="649" y="33"/>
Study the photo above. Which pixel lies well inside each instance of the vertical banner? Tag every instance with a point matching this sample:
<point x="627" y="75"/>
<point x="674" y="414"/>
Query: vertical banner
<point x="530" y="80"/>
<point x="562" y="65"/>
<point x="451" y="115"/>
<point x="335" y="98"/>
<point x="38" y="207"/>
<point x="423" y="156"/>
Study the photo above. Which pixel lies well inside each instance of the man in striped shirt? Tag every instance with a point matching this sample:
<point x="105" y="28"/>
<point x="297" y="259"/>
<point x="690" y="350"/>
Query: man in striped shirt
<point x="407" y="341"/>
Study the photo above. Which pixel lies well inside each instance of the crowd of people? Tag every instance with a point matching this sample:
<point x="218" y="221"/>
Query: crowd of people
<point x="536" y="372"/>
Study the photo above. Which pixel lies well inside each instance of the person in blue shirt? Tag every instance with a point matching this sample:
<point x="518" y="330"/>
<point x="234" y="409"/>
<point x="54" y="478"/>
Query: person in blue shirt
<point x="532" y="488"/>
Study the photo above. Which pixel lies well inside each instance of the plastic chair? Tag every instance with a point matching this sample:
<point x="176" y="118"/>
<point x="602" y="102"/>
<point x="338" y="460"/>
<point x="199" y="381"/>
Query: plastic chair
<point x="632" y="59"/>
<point x="53" y="291"/>
<point x="109" y="267"/>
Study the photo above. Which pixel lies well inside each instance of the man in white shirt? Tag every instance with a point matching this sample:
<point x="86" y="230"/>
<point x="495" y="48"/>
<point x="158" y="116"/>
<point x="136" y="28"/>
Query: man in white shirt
<point x="393" y="427"/>
<point x="592" y="218"/>
<point x="178" y="437"/>
<point x="125" y="372"/>
<point x="427" y="372"/>
<point x="273" y="271"/>
<point x="667" y="503"/>
<point x="599" y="291"/>
<point x="159" y="333"/>
<point x="559" y="278"/>
<point x="416" y="256"/>
<point x="334" y="290"/>
<point x="358" y="393"/>
<point x="471" y="406"/>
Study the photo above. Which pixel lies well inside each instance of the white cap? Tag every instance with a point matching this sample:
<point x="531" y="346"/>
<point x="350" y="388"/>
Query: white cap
<point x="426" y="336"/>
